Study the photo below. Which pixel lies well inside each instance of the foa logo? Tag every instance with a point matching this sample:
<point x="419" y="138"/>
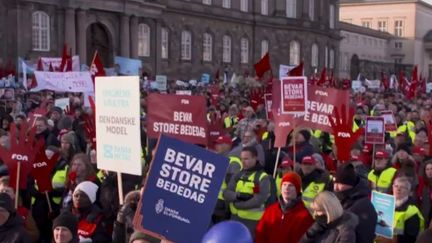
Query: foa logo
<point x="284" y="124"/>
<point x="20" y="157"/>
<point x="40" y="164"/>
<point x="321" y="93"/>
<point x="344" y="134"/>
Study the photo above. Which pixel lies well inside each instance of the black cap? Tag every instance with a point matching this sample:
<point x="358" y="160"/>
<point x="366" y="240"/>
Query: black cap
<point x="69" y="221"/>
<point x="346" y="174"/>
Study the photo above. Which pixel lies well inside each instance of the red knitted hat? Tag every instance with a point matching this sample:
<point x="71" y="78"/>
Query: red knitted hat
<point x="293" y="178"/>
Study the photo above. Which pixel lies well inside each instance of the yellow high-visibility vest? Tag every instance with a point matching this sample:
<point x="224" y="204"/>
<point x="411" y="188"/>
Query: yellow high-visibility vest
<point x="233" y="159"/>
<point x="401" y="217"/>
<point x="384" y="181"/>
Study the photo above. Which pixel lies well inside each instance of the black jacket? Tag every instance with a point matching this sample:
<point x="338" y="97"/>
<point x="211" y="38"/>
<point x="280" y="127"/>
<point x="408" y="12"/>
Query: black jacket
<point x="342" y="230"/>
<point x="13" y="231"/>
<point x="412" y="225"/>
<point x="319" y="176"/>
<point x="356" y="201"/>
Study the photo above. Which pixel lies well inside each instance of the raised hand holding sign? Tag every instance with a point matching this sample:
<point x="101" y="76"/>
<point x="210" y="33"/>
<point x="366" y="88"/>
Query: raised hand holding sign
<point x="42" y="168"/>
<point x="342" y="131"/>
<point x="19" y="158"/>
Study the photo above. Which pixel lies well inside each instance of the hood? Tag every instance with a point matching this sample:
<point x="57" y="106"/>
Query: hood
<point x="350" y="196"/>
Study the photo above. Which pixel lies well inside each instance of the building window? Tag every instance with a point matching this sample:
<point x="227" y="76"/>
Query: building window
<point x="332" y="16"/>
<point x="226" y="3"/>
<point x="398" y="60"/>
<point x="326" y="57"/>
<point x="398" y="45"/>
<point x="367" y="23"/>
<point x="294" y="53"/>
<point x="207" y="2"/>
<point x="264" y="47"/>
<point x="41" y="31"/>
<point x="186" y="42"/>
<point x="312" y="10"/>
<point x="226" y="52"/>
<point x="207" y="47"/>
<point x="244" y="5"/>
<point x="143" y="40"/>
<point x="244" y="51"/>
<point x="314" y="58"/>
<point x="332" y="58"/>
<point x="398" y="28"/>
<point x="264" y="7"/>
<point x="164" y="43"/>
<point x="291" y="8"/>
<point x="382" y="25"/>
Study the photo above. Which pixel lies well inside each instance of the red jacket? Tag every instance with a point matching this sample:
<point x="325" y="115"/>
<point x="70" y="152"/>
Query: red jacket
<point x="276" y="227"/>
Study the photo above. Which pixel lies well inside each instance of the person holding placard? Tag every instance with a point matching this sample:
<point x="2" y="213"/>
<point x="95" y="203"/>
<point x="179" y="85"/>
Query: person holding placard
<point x="383" y="174"/>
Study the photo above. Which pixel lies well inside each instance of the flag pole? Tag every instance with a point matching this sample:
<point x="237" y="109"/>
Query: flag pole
<point x="120" y="187"/>
<point x="17" y="184"/>
<point x="276" y="162"/>
<point x="48" y="201"/>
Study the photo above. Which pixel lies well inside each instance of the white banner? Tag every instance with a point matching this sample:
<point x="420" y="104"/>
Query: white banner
<point x="56" y="61"/>
<point x="118" y="124"/>
<point x="373" y="84"/>
<point x="64" y="82"/>
<point x="284" y="69"/>
<point x="183" y="92"/>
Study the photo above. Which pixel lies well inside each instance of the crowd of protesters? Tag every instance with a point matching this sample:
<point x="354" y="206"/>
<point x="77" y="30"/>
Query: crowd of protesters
<point x="313" y="198"/>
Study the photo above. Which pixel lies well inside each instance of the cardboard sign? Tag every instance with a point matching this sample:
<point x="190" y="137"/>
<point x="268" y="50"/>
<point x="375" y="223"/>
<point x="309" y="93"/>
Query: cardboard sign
<point x="62" y="103"/>
<point x="373" y="84"/>
<point x="183" y="92"/>
<point x="128" y="66"/>
<point x="64" y="82"/>
<point x="205" y="78"/>
<point x="56" y="62"/>
<point x="284" y="123"/>
<point x="356" y="85"/>
<point x="384" y="205"/>
<point x="268" y="106"/>
<point x="118" y="124"/>
<point x="389" y="121"/>
<point x="375" y="131"/>
<point x="293" y="95"/>
<point x="179" y="116"/>
<point x="161" y="82"/>
<point x="181" y="191"/>
<point x="321" y="102"/>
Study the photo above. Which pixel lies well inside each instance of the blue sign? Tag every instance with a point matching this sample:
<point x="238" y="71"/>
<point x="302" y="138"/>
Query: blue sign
<point x="128" y="66"/>
<point x="205" y="78"/>
<point x="181" y="190"/>
<point x="385" y="207"/>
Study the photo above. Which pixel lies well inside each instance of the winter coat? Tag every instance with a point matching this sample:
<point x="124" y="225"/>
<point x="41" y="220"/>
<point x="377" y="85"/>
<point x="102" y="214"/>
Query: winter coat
<point x="424" y="196"/>
<point x="281" y="223"/>
<point x="318" y="175"/>
<point x="356" y="200"/>
<point x="425" y="236"/>
<point x="13" y="230"/>
<point x="412" y="225"/>
<point x="342" y="230"/>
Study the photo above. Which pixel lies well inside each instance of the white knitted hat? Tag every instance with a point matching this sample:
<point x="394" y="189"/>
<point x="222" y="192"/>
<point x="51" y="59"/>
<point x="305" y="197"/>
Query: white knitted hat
<point x="89" y="188"/>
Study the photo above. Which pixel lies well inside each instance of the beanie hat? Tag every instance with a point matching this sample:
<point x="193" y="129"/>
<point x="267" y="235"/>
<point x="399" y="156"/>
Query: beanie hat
<point x="6" y="202"/>
<point x="346" y="174"/>
<point x="57" y="109"/>
<point x="293" y="178"/>
<point x="89" y="188"/>
<point x="306" y="134"/>
<point x="69" y="221"/>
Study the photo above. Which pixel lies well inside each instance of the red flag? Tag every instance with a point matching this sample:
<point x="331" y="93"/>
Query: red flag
<point x="51" y="69"/>
<point x="217" y="74"/>
<point x="96" y="66"/>
<point x="10" y="69"/>
<point x="332" y="80"/>
<point x="64" y="58"/>
<point x="297" y="71"/>
<point x="2" y="72"/>
<point x="39" y="65"/>
<point x="414" y="76"/>
<point x="323" y="77"/>
<point x="384" y="81"/>
<point x="69" y="64"/>
<point x="263" y="65"/>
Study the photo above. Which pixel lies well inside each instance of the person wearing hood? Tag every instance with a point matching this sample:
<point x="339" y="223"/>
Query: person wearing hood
<point x="11" y="224"/>
<point x="314" y="180"/>
<point x="408" y="220"/>
<point x="65" y="229"/>
<point x="288" y="219"/>
<point x="332" y="224"/>
<point x="382" y="176"/>
<point x="248" y="190"/>
<point x="353" y="194"/>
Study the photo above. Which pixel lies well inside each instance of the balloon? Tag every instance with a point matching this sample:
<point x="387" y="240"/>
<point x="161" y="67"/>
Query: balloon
<point x="228" y="231"/>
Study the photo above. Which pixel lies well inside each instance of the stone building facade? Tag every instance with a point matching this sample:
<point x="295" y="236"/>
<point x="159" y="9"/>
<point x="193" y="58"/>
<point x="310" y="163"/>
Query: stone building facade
<point x="178" y="38"/>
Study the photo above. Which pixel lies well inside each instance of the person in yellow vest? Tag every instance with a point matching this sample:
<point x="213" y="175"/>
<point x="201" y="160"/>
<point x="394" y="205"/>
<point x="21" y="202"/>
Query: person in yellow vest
<point x="232" y="118"/>
<point x="223" y="145"/>
<point x="287" y="165"/>
<point x="314" y="180"/>
<point x="408" y="221"/>
<point x="248" y="191"/>
<point x="382" y="176"/>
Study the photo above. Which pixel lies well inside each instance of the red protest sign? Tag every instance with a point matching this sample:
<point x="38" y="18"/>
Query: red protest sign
<point x="41" y="170"/>
<point x="268" y="106"/>
<point x="284" y="123"/>
<point x="389" y="121"/>
<point x="374" y="130"/>
<point x="23" y="150"/>
<point x="321" y="104"/>
<point x="293" y="95"/>
<point x="179" y="116"/>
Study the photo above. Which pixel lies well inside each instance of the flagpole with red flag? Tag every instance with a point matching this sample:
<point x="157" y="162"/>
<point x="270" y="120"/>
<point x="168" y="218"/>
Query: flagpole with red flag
<point x="263" y="65"/>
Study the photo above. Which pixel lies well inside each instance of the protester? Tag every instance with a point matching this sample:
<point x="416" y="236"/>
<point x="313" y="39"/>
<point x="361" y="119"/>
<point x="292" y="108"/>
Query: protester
<point x="248" y="190"/>
<point x="123" y="226"/>
<point x="303" y="146"/>
<point x="65" y="229"/>
<point x="249" y="139"/>
<point x="332" y="224"/>
<point x="382" y="175"/>
<point x="353" y="194"/>
<point x="424" y="192"/>
<point x="288" y="219"/>
<point x="11" y="224"/>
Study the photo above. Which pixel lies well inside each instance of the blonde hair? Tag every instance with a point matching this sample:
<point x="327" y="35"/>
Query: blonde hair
<point x="329" y="203"/>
